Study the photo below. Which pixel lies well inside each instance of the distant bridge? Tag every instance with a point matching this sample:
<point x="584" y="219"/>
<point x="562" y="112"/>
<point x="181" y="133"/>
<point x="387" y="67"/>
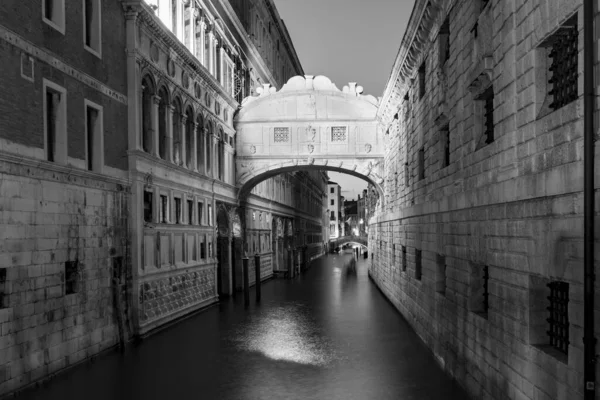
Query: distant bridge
<point x="362" y="240"/>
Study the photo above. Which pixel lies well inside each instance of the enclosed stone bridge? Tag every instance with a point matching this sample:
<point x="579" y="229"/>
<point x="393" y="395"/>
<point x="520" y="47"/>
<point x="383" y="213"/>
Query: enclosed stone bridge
<point x="362" y="240"/>
<point x="308" y="124"/>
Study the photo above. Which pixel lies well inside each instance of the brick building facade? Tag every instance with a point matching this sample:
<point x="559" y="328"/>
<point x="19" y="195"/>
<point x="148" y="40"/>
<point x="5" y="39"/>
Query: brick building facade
<point x="64" y="191"/>
<point x="479" y="236"/>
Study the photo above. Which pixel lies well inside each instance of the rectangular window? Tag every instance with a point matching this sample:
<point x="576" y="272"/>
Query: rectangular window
<point x="55" y="122"/>
<point x="406" y="174"/>
<point x="164" y="209"/>
<point x="404" y="259"/>
<point x="488" y="98"/>
<point x="418" y="265"/>
<point x="338" y="134"/>
<point x="421" y="163"/>
<point x="200" y="213"/>
<point x="332" y="215"/>
<point x="563" y="64"/>
<point x="94" y="137"/>
<point x="422" y="77"/>
<point x="210" y="215"/>
<point x="178" y="211"/>
<point x="331" y="190"/>
<point x="558" y="321"/>
<point x="281" y="135"/>
<point x="92" y="26"/>
<point x="332" y="202"/>
<point x="53" y="13"/>
<point x="479" y="297"/>
<point x="3" y="289"/>
<point x="440" y="279"/>
<point x="227" y="74"/>
<point x="190" y="210"/>
<point x="393" y="254"/>
<point x="203" y="247"/>
<point x="446" y="137"/>
<point x="148" y="206"/>
<point x="71" y="277"/>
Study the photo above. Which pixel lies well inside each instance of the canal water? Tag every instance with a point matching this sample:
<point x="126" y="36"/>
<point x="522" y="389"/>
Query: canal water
<point x="329" y="334"/>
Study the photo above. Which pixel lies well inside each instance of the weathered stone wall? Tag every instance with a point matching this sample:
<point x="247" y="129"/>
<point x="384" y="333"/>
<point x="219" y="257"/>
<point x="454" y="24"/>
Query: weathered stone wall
<point x="50" y="217"/>
<point x="514" y="205"/>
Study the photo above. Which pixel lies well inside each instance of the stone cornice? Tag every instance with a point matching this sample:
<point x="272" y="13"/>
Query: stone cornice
<point x="417" y="36"/>
<point x="170" y="41"/>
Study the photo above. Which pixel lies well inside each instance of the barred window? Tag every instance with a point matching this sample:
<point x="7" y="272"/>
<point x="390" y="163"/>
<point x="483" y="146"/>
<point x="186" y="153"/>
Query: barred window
<point x="282" y="135"/>
<point x="338" y="134"/>
<point x="71" y="277"/>
<point x="488" y="98"/>
<point x="479" y="296"/>
<point x="3" y="289"/>
<point x="404" y="258"/>
<point x="446" y="133"/>
<point x="422" y="77"/>
<point x="563" y="65"/>
<point x="558" y="321"/>
<point x="418" y="264"/>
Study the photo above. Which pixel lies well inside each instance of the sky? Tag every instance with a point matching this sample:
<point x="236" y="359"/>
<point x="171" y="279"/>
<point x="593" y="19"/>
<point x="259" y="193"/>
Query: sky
<point x="347" y="41"/>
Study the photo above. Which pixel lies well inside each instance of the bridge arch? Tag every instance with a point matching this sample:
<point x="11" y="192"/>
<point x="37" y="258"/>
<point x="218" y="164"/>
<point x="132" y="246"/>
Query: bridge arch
<point x="308" y="124"/>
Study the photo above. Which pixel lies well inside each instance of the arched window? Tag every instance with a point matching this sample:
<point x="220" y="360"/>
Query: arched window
<point x="162" y="123"/>
<point x="177" y="139"/>
<point x="209" y="148"/>
<point x="189" y="134"/>
<point x="147" y="132"/>
<point x="200" y="144"/>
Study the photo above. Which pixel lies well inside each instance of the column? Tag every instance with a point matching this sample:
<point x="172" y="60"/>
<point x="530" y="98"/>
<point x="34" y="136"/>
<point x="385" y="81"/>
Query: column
<point x="133" y="82"/>
<point x="169" y="123"/>
<point x="179" y="29"/>
<point x="201" y="56"/>
<point x="204" y="151"/>
<point x="215" y="158"/>
<point x="140" y="115"/>
<point x="155" y="132"/>
<point x="194" y="156"/>
<point x="183" y="139"/>
<point x="192" y="27"/>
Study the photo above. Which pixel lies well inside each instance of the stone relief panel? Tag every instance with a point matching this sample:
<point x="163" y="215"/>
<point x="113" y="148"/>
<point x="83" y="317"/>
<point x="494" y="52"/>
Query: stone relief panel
<point x="161" y="297"/>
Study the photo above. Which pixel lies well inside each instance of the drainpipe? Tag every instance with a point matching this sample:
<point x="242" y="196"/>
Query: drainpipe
<point x="589" y="341"/>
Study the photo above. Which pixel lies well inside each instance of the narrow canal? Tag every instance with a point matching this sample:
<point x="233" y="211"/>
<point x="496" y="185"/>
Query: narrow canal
<point x="330" y="334"/>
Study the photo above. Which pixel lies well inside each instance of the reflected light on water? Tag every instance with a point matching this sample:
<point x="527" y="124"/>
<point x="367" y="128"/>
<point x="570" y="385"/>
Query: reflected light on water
<point x="286" y="334"/>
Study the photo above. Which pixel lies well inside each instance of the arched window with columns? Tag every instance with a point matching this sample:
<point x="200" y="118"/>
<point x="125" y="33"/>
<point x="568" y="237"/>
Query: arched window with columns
<point x="177" y="128"/>
<point x="163" y="108"/>
<point x="148" y="91"/>
<point x="190" y="130"/>
<point x="200" y="143"/>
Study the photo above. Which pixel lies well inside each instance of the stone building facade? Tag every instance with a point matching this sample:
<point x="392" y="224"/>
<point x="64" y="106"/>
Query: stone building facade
<point x="334" y="205"/>
<point x="119" y="206"/>
<point x="479" y="235"/>
<point x="64" y="192"/>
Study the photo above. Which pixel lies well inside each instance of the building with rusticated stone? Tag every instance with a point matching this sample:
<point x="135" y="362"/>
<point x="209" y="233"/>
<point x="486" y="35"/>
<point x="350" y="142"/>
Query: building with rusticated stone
<point x="119" y="206"/>
<point x="479" y="234"/>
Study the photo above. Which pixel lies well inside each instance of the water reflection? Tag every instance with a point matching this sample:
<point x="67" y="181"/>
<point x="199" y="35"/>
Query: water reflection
<point x="286" y="333"/>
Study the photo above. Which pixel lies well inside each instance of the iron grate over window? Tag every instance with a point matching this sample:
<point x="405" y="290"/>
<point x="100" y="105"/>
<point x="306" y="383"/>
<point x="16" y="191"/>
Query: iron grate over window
<point x="558" y="321"/>
<point x="563" y="67"/>
<point x="488" y="97"/>
<point x="485" y="298"/>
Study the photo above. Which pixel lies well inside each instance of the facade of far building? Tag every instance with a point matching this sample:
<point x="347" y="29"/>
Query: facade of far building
<point x="334" y="207"/>
<point x="119" y="201"/>
<point x="478" y="238"/>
